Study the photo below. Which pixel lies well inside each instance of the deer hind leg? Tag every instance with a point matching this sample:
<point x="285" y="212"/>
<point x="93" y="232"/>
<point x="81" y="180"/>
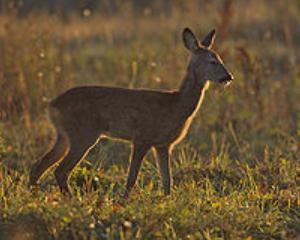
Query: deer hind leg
<point x="79" y="147"/>
<point x="163" y="159"/>
<point x="138" y="152"/>
<point x="59" y="149"/>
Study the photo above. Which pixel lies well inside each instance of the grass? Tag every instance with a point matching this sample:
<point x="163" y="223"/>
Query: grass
<point x="235" y="176"/>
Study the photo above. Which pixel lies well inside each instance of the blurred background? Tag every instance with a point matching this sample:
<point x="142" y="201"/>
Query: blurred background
<point x="49" y="46"/>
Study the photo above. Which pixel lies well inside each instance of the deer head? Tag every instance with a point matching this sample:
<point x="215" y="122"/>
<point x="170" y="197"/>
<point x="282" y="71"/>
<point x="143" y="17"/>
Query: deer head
<point x="205" y="63"/>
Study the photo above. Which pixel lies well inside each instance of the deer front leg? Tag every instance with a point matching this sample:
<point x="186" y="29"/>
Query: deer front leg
<point x="139" y="150"/>
<point x="163" y="159"/>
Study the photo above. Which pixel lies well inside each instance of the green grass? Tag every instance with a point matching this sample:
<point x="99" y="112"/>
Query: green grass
<point x="235" y="176"/>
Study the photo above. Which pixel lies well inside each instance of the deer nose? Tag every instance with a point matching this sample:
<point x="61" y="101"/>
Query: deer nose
<point x="230" y="77"/>
<point x="227" y="79"/>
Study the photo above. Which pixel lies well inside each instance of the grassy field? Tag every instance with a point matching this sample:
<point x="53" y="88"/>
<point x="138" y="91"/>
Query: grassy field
<point x="235" y="176"/>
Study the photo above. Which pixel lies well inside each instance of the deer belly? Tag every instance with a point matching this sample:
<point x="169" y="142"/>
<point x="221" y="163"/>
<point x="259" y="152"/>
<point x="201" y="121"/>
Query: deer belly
<point x="123" y="128"/>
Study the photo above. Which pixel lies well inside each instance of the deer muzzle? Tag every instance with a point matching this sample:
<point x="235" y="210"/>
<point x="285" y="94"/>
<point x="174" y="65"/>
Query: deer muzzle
<point x="227" y="79"/>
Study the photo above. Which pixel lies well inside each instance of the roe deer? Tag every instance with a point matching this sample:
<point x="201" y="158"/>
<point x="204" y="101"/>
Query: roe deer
<point x="146" y="118"/>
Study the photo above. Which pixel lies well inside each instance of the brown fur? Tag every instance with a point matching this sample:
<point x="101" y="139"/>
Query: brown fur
<point x="146" y="118"/>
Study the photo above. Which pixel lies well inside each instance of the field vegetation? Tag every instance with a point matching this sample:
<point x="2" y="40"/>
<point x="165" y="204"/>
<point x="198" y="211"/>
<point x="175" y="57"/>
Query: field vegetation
<point x="235" y="176"/>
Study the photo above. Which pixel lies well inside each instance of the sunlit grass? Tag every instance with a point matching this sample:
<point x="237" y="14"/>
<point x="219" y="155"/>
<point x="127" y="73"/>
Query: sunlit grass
<point x="206" y="201"/>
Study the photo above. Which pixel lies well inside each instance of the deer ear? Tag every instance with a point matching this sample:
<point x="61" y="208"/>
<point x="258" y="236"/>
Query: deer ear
<point x="208" y="41"/>
<point x="189" y="40"/>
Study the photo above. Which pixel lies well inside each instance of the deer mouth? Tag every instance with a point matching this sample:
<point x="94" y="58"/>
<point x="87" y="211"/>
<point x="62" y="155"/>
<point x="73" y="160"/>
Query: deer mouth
<point x="226" y="80"/>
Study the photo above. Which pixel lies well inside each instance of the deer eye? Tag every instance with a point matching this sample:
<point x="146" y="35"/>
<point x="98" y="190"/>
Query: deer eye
<point x="214" y="62"/>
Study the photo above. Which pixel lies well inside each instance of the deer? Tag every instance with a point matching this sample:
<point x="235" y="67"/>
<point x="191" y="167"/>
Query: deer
<point x="147" y="119"/>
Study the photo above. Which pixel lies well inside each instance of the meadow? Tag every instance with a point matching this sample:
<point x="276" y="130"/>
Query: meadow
<point x="235" y="176"/>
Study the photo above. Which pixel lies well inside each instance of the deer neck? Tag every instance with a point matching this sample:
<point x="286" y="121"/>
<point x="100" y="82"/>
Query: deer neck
<point x="191" y="93"/>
